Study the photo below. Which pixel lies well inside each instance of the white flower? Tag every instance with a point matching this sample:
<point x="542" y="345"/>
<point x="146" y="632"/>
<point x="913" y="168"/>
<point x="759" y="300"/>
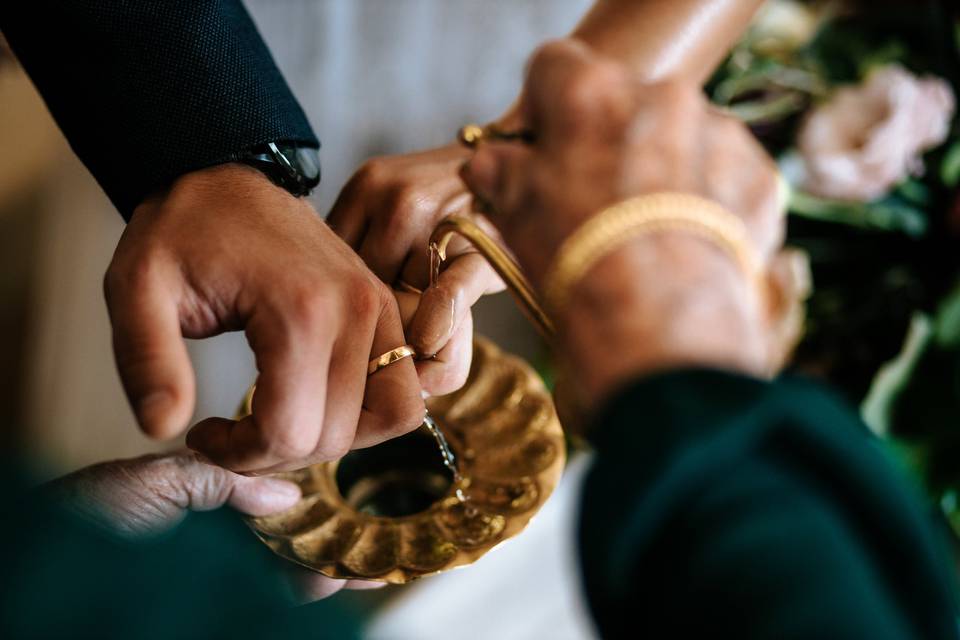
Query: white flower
<point x="869" y="137"/>
<point x="783" y="25"/>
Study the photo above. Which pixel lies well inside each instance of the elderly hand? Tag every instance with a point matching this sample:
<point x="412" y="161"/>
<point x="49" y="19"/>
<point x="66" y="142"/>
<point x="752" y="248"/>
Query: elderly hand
<point x="665" y="299"/>
<point x="225" y="249"/>
<point x="386" y="213"/>
<point x="149" y="495"/>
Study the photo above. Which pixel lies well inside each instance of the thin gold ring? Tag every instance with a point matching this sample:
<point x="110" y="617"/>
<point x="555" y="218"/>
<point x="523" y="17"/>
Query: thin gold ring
<point x="389" y="358"/>
<point x="472" y="135"/>
<point x="403" y="285"/>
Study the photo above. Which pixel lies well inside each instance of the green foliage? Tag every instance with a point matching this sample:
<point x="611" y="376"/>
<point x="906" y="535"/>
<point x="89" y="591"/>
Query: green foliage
<point x="915" y="402"/>
<point x="893" y="213"/>
<point x="950" y="166"/>
<point x="884" y="318"/>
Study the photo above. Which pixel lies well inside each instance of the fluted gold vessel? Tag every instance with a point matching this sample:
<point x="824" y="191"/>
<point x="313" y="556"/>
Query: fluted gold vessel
<point x="394" y="512"/>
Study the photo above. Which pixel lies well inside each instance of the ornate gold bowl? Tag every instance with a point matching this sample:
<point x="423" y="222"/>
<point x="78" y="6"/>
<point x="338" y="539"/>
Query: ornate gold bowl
<point x="393" y="513"/>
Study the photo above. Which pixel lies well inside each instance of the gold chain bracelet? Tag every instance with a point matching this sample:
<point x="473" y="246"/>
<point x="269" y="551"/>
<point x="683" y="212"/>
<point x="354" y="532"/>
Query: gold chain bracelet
<point x="653" y="213"/>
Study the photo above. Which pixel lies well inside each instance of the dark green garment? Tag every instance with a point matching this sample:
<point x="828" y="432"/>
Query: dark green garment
<point x="208" y="578"/>
<point x="718" y="506"/>
<point x="721" y="506"/>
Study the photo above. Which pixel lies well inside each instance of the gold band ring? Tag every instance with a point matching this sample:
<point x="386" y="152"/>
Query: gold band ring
<point x="389" y="358"/>
<point x="472" y="135"/>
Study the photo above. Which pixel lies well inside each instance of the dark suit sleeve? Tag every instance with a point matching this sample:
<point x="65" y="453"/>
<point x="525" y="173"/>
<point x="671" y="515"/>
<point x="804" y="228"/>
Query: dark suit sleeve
<point x="146" y="91"/>
<point x="720" y="506"/>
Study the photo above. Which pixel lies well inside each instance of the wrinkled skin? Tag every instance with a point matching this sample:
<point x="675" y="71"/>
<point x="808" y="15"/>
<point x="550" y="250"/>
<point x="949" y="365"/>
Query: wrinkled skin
<point x="146" y="496"/>
<point x="665" y="299"/>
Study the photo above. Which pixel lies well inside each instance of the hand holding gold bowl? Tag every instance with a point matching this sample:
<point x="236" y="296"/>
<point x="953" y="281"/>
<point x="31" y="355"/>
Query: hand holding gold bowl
<point x="486" y="459"/>
<point x="395" y="512"/>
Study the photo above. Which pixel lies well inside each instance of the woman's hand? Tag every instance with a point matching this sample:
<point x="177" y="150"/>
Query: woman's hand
<point x="149" y="495"/>
<point x="386" y="213"/>
<point x="664" y="299"/>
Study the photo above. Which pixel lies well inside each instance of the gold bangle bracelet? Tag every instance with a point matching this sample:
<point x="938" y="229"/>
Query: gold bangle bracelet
<point x="625" y="221"/>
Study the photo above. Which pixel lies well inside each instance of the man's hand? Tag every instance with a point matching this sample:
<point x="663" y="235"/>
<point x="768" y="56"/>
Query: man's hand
<point x="386" y="213"/>
<point x="224" y="249"/>
<point x="149" y="495"/>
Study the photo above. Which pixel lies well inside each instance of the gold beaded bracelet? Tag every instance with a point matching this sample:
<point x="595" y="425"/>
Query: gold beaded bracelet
<point x="653" y="213"/>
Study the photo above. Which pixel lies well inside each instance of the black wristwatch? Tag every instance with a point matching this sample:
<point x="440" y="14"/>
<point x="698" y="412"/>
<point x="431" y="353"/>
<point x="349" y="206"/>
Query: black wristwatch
<point x="288" y="165"/>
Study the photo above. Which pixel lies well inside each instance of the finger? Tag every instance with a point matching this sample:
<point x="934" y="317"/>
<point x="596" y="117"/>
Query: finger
<point x="448" y="370"/>
<point x="392" y="404"/>
<point x="150" y="494"/>
<point x="262" y="496"/>
<point x="788" y="286"/>
<point x="150" y="352"/>
<point x="570" y="91"/>
<point x="293" y="352"/>
<point x="445" y="305"/>
<point x="385" y="248"/>
<point x="348" y="217"/>
<point x="415" y="268"/>
<point x="364" y="585"/>
<point x="497" y="174"/>
<point x="345" y="390"/>
<point x="309" y="586"/>
<point x="407" y="303"/>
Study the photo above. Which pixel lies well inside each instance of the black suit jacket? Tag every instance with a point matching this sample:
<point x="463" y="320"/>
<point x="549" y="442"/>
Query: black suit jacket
<point x="147" y="90"/>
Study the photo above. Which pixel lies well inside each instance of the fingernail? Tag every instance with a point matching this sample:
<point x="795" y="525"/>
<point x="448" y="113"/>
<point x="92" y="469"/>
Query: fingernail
<point x="153" y="412"/>
<point x="434" y="323"/>
<point x="278" y="494"/>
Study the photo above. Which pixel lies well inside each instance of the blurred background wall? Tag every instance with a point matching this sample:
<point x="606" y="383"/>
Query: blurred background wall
<point x="375" y="77"/>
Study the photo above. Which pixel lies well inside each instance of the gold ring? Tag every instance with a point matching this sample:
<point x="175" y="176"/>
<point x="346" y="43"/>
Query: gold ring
<point x="403" y="285"/>
<point x="389" y="358"/>
<point x="472" y="135"/>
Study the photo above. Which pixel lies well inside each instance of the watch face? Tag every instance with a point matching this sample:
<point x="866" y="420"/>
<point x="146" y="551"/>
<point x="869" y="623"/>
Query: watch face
<point x="308" y="162"/>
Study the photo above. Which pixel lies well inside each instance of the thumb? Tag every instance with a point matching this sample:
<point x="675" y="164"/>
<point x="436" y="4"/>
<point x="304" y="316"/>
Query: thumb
<point x="498" y="174"/>
<point x="150" y="494"/>
<point x="445" y="305"/>
<point x="150" y="352"/>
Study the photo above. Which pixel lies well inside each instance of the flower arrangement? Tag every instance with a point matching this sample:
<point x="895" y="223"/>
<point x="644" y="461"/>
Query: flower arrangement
<point x="857" y="102"/>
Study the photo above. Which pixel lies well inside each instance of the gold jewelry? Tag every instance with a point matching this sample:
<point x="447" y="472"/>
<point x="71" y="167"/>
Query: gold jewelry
<point x="630" y="219"/>
<point x="403" y="285"/>
<point x="389" y="358"/>
<point x="472" y="135"/>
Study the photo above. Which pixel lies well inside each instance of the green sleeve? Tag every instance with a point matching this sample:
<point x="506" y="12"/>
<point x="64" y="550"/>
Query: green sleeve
<point x="722" y="506"/>
<point x="207" y="578"/>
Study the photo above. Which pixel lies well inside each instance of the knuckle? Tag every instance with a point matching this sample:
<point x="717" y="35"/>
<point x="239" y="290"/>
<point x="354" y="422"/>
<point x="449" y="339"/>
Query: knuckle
<point x="678" y="92"/>
<point x="371" y="173"/>
<point x="334" y="450"/>
<point x="592" y="89"/>
<point x="305" y="307"/>
<point x="546" y="54"/>
<point x="732" y="130"/>
<point x="286" y="444"/>
<point x="137" y="359"/>
<point x="403" y="205"/>
<point x="365" y="297"/>
<point x="130" y="275"/>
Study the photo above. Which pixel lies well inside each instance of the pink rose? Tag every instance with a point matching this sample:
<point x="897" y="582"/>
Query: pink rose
<point x="869" y="137"/>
